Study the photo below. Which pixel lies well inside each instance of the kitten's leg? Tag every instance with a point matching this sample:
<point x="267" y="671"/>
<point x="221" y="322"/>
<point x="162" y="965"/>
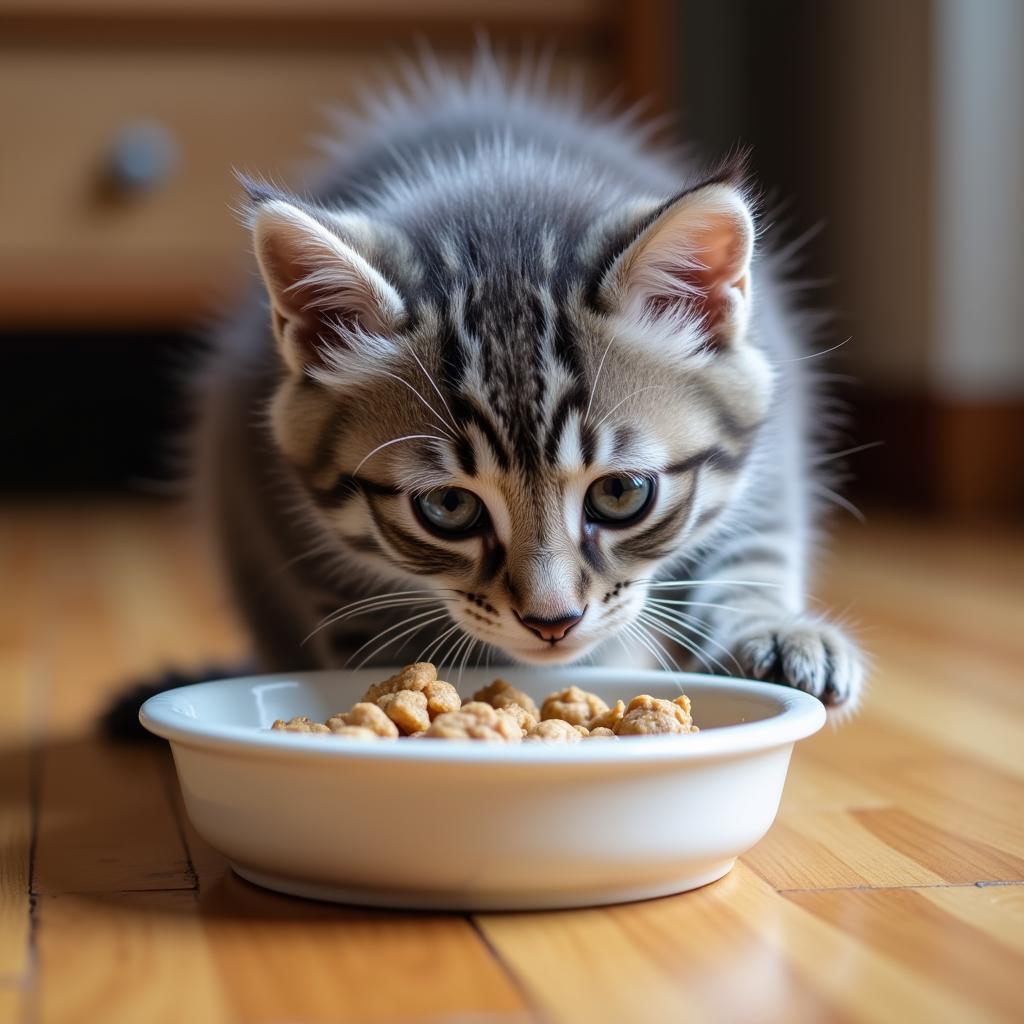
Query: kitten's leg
<point x="765" y="625"/>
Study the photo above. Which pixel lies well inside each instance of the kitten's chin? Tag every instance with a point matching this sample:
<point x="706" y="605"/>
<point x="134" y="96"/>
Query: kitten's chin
<point x="550" y="654"/>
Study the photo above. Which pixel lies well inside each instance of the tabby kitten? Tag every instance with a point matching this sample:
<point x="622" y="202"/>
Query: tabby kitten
<point x="523" y="388"/>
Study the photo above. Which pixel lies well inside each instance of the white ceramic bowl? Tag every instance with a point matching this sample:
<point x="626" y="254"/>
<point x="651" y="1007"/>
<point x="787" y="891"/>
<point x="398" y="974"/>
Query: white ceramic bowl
<point x="458" y="825"/>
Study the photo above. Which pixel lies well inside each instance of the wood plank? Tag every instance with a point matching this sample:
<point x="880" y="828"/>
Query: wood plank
<point x="735" y="950"/>
<point x="13" y="1004"/>
<point x="998" y="910"/>
<point x="939" y="948"/>
<point x="952" y="855"/>
<point x="19" y="616"/>
<point x="105" y="821"/>
<point x="938" y="786"/>
<point x="130" y="958"/>
<point x="293" y="960"/>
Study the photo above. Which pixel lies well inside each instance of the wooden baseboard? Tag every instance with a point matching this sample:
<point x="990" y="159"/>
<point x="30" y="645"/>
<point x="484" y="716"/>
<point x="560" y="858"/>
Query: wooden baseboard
<point x="957" y="458"/>
<point x="980" y="447"/>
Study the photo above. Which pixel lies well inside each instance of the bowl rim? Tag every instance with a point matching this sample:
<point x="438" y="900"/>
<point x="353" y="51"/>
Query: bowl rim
<point x="799" y="716"/>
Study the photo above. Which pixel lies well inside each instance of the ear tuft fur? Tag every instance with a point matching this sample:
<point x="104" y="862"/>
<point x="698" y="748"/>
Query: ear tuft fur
<point x="324" y="294"/>
<point x="687" y="268"/>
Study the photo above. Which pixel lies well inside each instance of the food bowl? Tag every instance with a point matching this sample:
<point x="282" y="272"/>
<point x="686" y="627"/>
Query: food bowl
<point x="463" y="825"/>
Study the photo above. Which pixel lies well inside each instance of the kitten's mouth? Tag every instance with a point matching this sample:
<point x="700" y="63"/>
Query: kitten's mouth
<point x="550" y="654"/>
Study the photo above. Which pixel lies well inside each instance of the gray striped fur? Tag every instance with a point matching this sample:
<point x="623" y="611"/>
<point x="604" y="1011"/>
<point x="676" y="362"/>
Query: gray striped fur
<point x="505" y="223"/>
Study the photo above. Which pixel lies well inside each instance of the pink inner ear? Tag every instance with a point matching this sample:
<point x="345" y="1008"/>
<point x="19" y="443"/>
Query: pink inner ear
<point x="712" y="279"/>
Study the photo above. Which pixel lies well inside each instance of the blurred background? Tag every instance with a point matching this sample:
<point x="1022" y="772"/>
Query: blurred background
<point x="888" y="136"/>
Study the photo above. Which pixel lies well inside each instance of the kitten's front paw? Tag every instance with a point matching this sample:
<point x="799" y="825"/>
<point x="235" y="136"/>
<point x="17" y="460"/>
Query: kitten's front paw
<point x="805" y="653"/>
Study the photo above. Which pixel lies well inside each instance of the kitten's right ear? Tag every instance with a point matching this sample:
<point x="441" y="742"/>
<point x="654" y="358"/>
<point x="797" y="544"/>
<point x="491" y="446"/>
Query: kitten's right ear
<point x="323" y="293"/>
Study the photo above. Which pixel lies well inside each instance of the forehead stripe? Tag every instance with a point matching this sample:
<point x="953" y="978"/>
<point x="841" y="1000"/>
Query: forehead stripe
<point x="574" y="399"/>
<point x="346" y="487"/>
<point x="465" y="455"/>
<point x="466" y="411"/>
<point x="714" y="457"/>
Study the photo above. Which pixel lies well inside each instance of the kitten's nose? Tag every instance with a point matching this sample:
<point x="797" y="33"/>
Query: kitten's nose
<point x="551" y="630"/>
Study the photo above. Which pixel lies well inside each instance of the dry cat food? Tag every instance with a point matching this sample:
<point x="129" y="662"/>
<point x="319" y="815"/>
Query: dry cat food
<point x="414" y="703"/>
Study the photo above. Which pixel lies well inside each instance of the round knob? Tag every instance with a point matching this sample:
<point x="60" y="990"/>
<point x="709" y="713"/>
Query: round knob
<point x="143" y="156"/>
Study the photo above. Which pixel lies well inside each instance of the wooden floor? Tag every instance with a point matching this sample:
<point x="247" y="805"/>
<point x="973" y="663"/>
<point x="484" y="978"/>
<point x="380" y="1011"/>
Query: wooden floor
<point x="891" y="888"/>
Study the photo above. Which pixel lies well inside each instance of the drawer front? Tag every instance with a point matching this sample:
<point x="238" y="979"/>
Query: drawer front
<point x="78" y="243"/>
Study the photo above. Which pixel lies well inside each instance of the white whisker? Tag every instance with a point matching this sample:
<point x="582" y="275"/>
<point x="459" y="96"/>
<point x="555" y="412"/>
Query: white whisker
<point x="814" y="355"/>
<point x="693" y="624"/>
<point x="427" y="653"/>
<point x="667" y="584"/>
<point x="377" y="602"/>
<point x="465" y="657"/>
<point x="838" y="499"/>
<point x="703" y="656"/>
<point x="394" y="639"/>
<point x="633" y="394"/>
<point x="637" y="633"/>
<point x="597" y="376"/>
<point x="432" y="613"/>
<point x="668" y="662"/>
<point x="695" y="604"/>
<point x="832" y="456"/>
<point x="416" y="392"/>
<point x="430" y="380"/>
<point x="395" y="440"/>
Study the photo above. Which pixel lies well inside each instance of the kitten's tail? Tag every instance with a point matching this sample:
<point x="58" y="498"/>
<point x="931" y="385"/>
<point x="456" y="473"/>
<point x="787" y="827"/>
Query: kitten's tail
<point x="120" y="720"/>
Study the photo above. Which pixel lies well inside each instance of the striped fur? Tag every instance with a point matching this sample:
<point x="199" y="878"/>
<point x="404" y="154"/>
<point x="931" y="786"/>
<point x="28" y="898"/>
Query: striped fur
<point x="492" y="291"/>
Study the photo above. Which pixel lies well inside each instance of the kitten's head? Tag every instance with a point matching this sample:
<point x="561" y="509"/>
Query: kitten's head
<point x="529" y="413"/>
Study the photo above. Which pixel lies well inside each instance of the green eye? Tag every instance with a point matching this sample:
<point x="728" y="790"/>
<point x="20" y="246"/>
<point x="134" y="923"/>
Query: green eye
<point x="449" y="510"/>
<point x="620" y="499"/>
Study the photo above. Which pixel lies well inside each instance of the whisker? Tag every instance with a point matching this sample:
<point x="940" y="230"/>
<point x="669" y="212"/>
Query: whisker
<point x="454" y="655"/>
<point x="695" y="604"/>
<point x="387" y="643"/>
<point x="430" y="380"/>
<point x="597" y="376"/>
<point x="667" y="662"/>
<point x="684" y="641"/>
<point x="695" y="626"/>
<point x="689" y="648"/>
<point x="838" y="499"/>
<point x="415" y="391"/>
<point x="380" y="603"/>
<point x="667" y="584"/>
<point x="395" y="440"/>
<point x="433" y="612"/>
<point x="465" y="658"/>
<point x="636" y="632"/>
<point x="813" y="355"/>
<point x="442" y="659"/>
<point x="832" y="456"/>
<point x="650" y="387"/>
<point x="427" y="653"/>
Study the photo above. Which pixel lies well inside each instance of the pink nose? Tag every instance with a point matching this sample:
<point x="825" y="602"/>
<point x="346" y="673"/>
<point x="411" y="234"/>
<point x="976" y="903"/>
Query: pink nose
<point x="551" y="630"/>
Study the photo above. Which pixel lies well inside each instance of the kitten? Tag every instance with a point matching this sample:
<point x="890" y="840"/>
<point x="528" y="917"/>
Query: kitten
<point x="520" y="386"/>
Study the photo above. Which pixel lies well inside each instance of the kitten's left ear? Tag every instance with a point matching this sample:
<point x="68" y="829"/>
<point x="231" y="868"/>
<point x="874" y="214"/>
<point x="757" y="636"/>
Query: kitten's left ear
<point x="324" y="294"/>
<point x="690" y="261"/>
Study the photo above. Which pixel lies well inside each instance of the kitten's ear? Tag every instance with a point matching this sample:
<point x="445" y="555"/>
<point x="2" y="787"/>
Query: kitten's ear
<point x="321" y="289"/>
<point x="690" y="261"/>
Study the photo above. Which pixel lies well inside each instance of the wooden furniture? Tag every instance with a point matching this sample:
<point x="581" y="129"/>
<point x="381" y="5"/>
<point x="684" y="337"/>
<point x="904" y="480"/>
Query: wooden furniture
<point x="890" y="888"/>
<point x="124" y="119"/>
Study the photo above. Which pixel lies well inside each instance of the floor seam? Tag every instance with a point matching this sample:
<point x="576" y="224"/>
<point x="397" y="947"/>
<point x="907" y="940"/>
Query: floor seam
<point x="981" y="884"/>
<point x="518" y="984"/>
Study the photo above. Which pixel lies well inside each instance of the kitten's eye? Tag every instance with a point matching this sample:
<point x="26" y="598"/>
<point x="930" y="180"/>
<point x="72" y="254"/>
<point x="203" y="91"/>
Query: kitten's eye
<point x="449" y="510"/>
<point x="618" y="499"/>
